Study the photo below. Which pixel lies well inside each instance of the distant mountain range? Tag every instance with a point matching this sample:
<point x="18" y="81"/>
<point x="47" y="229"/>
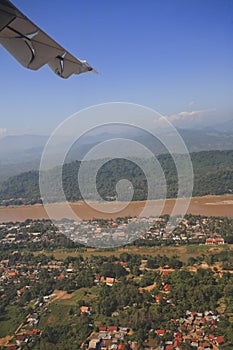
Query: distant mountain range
<point x="21" y="153"/>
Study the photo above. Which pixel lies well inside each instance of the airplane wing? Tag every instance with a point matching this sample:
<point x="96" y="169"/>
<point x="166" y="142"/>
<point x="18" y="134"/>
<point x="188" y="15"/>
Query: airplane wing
<point x="32" y="47"/>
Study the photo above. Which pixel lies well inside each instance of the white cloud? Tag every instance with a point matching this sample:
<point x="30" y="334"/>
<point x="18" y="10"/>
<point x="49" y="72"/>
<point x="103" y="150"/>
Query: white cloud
<point x="189" y="114"/>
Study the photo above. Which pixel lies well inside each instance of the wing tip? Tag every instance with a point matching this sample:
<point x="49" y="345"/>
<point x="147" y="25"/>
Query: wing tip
<point x="92" y="70"/>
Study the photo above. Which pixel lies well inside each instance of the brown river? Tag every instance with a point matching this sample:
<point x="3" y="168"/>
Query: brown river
<point x="208" y="205"/>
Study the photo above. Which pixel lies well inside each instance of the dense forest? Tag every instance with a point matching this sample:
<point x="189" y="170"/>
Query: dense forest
<point x="213" y="174"/>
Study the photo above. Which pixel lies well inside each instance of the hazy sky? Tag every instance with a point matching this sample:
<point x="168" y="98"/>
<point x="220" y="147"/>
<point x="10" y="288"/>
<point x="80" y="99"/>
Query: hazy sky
<point x="175" y="56"/>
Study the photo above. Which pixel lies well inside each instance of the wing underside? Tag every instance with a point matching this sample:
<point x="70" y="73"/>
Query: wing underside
<point x="32" y="47"/>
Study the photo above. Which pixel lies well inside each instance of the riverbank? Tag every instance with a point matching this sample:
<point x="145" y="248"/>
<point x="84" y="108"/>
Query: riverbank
<point x="208" y="205"/>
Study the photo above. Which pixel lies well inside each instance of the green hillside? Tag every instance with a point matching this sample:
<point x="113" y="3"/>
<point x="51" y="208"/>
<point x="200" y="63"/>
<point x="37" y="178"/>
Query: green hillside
<point x="213" y="174"/>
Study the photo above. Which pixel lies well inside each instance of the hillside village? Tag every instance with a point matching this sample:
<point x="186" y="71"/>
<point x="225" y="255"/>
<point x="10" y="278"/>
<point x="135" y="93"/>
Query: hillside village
<point x="190" y="329"/>
<point x="193" y="328"/>
<point x="112" y="297"/>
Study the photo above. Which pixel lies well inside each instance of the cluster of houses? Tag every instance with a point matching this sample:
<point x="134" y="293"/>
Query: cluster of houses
<point x="26" y="334"/>
<point x="125" y="230"/>
<point x="110" y="338"/>
<point x="105" y="233"/>
<point x="184" y="233"/>
<point x="20" y="235"/>
<point x="13" y="274"/>
<point x="191" y="329"/>
<point x="109" y="232"/>
<point x="194" y="329"/>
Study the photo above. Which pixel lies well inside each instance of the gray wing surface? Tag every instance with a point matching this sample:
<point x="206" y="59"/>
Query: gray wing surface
<point x="32" y="47"/>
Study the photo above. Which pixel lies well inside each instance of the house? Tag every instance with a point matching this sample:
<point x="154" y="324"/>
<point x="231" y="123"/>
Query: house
<point x="93" y="343"/>
<point x="219" y="240"/>
<point x="194" y="344"/>
<point x="167" y="272"/>
<point x="33" y="332"/>
<point x="97" y="278"/>
<point x="85" y="309"/>
<point x="20" y="291"/>
<point x="160" y="332"/>
<point x="109" y="281"/>
<point x="166" y="288"/>
<point x="178" y="337"/>
<point x="114" y="347"/>
<point x="33" y="319"/>
<point x="214" y="241"/>
<point x="11" y="347"/>
<point x="12" y="274"/>
<point x="121" y="347"/>
<point x="19" y="337"/>
<point x="112" y="328"/>
<point x="115" y="314"/>
<point x="219" y="340"/>
<point x="176" y="344"/>
<point x="169" y="347"/>
<point x="61" y="277"/>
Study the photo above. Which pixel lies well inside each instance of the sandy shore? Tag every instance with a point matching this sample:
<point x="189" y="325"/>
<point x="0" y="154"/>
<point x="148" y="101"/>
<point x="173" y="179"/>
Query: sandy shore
<point x="208" y="205"/>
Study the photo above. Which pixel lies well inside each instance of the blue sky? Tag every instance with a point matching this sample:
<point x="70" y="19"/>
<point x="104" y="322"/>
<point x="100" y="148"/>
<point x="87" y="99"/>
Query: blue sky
<point x="175" y="56"/>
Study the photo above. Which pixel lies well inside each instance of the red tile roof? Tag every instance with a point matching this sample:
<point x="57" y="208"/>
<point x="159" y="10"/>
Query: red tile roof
<point x="84" y="309"/>
<point x="176" y="344"/>
<point x="160" y="332"/>
<point x="110" y="280"/>
<point x="166" y="288"/>
<point x="169" y="347"/>
<point x="220" y="339"/>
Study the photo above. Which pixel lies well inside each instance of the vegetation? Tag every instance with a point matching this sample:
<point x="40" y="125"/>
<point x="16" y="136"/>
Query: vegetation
<point x="213" y="174"/>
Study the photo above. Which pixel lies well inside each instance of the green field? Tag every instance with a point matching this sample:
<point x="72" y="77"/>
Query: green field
<point x="59" y="310"/>
<point x="11" y="320"/>
<point x="184" y="252"/>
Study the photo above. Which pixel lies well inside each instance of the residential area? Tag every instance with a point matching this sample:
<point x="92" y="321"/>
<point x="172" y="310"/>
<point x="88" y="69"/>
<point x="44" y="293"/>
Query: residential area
<point x="53" y="297"/>
<point x="39" y="234"/>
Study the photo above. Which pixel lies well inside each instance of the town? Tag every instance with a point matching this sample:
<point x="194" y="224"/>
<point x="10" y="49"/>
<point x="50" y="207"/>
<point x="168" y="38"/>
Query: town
<point x="51" y="286"/>
<point x="40" y="234"/>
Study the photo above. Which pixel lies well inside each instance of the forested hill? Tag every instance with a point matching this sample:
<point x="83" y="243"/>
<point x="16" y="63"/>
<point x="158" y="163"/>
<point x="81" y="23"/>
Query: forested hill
<point x="213" y="174"/>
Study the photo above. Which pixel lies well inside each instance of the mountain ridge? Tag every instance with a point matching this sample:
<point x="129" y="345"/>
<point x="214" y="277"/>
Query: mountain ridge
<point x="213" y="174"/>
